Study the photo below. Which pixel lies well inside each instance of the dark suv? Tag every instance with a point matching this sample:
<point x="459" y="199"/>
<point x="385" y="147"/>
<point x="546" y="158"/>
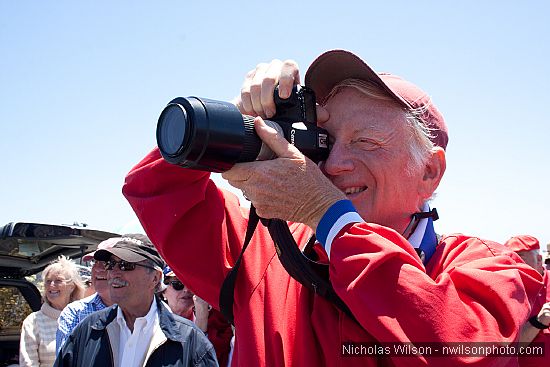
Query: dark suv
<point x="25" y="250"/>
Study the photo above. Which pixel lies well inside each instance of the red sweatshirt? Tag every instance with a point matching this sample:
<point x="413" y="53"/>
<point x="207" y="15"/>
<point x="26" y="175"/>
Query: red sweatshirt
<point x="470" y="291"/>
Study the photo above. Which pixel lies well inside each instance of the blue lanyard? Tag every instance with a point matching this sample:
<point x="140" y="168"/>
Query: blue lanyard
<point x="429" y="242"/>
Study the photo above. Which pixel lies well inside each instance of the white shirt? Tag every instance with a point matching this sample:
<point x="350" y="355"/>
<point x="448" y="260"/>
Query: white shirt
<point x="134" y="345"/>
<point x="416" y="237"/>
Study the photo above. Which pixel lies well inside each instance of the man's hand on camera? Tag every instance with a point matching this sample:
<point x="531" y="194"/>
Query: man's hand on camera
<point x="256" y="98"/>
<point x="290" y="187"/>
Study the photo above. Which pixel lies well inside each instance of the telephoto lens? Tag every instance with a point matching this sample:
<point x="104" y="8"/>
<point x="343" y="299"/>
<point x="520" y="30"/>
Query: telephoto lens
<point x="210" y="135"/>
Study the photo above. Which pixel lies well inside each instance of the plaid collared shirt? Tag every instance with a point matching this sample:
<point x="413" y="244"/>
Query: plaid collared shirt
<point x="74" y="313"/>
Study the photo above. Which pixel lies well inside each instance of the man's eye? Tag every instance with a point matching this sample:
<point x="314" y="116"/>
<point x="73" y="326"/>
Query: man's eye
<point x="366" y="143"/>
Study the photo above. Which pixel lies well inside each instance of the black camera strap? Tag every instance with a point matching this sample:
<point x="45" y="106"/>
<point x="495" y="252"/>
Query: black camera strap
<point x="227" y="292"/>
<point x="313" y="275"/>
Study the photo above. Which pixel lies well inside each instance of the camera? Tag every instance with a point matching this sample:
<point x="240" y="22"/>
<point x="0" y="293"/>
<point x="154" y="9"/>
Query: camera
<point x="210" y="135"/>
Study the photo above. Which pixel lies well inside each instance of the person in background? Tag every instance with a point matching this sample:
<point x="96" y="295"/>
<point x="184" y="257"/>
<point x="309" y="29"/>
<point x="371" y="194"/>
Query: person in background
<point x="536" y="329"/>
<point x="367" y="205"/>
<point x="183" y="302"/>
<point x="178" y="297"/>
<point x="528" y="248"/>
<point x="86" y="276"/>
<point x="62" y="284"/>
<point x="76" y="311"/>
<point x="138" y="330"/>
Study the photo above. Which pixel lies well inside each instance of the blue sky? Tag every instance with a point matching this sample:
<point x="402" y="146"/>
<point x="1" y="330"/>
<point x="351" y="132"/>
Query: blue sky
<point x="82" y="85"/>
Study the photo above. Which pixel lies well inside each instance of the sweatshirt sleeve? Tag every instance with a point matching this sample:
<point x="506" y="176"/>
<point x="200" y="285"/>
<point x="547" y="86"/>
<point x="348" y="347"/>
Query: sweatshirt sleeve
<point x="470" y="291"/>
<point x="197" y="227"/>
<point x="28" y="348"/>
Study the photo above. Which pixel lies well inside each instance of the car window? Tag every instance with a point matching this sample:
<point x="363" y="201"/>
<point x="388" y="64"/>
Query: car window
<point x="13" y="310"/>
<point x="24" y="248"/>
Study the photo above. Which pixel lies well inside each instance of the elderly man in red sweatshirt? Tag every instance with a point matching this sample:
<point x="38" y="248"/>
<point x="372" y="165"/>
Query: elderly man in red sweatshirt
<point x="367" y="205"/>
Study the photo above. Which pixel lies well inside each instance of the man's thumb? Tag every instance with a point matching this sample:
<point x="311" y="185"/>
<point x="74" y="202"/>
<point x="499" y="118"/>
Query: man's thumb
<point x="274" y="140"/>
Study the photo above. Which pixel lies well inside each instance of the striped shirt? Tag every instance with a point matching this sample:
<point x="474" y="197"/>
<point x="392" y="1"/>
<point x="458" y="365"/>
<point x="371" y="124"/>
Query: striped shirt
<point x="74" y="313"/>
<point x="37" y="345"/>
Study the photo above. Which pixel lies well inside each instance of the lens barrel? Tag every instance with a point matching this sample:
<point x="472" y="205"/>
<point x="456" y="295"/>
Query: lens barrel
<point x="212" y="135"/>
<point x="206" y="134"/>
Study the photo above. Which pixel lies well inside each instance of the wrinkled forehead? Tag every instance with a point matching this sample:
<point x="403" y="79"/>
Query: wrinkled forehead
<point x="351" y="110"/>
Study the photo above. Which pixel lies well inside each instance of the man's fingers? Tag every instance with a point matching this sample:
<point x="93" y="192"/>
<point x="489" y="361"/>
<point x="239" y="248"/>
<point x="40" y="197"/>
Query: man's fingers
<point x="238" y="174"/>
<point x="271" y="77"/>
<point x="256" y="89"/>
<point x="256" y="97"/>
<point x="245" y="101"/>
<point x="275" y="141"/>
<point x="289" y="76"/>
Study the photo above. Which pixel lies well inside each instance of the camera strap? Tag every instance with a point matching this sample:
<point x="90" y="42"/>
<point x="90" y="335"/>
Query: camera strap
<point x="313" y="275"/>
<point x="310" y="273"/>
<point x="227" y="292"/>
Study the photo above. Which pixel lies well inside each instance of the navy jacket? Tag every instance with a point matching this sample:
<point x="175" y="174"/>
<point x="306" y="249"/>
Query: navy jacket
<point x="89" y="345"/>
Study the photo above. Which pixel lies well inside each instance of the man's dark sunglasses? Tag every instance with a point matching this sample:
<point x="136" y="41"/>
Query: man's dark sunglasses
<point x="176" y="284"/>
<point x="124" y="265"/>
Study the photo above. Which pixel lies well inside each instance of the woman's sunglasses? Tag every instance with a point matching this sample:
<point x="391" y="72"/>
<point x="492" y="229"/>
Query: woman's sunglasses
<point x="176" y="284"/>
<point x="124" y="265"/>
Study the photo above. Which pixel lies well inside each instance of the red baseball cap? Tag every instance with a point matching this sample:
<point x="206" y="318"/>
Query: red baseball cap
<point x="522" y="243"/>
<point x="335" y="66"/>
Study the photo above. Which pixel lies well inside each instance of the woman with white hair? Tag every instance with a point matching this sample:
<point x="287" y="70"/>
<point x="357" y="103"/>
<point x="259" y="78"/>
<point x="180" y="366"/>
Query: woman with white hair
<point x="62" y="285"/>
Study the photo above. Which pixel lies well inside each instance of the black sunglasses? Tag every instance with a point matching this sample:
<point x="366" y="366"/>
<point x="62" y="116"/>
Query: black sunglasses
<point x="124" y="265"/>
<point x="176" y="284"/>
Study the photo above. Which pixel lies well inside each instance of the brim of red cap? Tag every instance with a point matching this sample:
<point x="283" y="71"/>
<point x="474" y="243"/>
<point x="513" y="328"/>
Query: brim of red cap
<point x="523" y="243"/>
<point x="334" y="66"/>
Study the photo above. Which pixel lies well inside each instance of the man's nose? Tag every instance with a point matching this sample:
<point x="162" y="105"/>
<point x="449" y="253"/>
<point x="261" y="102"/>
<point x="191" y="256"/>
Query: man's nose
<point x="113" y="272"/>
<point x="337" y="162"/>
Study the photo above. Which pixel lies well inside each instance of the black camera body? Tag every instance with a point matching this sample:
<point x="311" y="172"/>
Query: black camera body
<point x="212" y="135"/>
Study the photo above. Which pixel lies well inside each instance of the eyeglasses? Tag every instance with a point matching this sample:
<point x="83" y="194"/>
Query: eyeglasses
<point x="176" y="284"/>
<point x="124" y="265"/>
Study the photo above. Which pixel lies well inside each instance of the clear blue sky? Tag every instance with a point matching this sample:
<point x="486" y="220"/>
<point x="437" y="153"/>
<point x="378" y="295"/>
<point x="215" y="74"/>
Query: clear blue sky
<point x="82" y="85"/>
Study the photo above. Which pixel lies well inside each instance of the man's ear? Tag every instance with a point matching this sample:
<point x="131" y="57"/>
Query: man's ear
<point x="433" y="172"/>
<point x="157" y="276"/>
